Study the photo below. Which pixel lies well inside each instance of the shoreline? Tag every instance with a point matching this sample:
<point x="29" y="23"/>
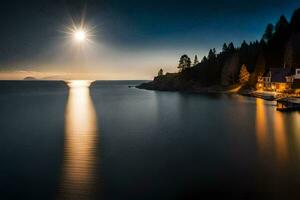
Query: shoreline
<point x="217" y="89"/>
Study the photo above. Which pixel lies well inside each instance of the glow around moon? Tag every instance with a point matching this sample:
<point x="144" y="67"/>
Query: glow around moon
<point x="80" y="35"/>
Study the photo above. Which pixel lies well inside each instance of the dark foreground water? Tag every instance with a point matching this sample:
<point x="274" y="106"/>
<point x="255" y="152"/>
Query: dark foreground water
<point x="109" y="141"/>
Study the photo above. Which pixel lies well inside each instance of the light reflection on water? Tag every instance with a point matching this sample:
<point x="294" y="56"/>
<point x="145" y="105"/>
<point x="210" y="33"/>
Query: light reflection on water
<point x="79" y="168"/>
<point x="157" y="145"/>
<point x="296" y="126"/>
<point x="271" y="132"/>
<point x="261" y="125"/>
<point x="280" y="136"/>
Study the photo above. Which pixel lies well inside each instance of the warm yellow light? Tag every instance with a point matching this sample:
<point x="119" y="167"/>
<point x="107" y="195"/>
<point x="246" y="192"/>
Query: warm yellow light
<point x="273" y="87"/>
<point x="282" y="86"/>
<point x="80" y="35"/>
<point x="79" y="83"/>
<point x="81" y="136"/>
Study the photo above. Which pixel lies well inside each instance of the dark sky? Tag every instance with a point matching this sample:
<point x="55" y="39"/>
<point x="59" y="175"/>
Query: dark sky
<point x="31" y="28"/>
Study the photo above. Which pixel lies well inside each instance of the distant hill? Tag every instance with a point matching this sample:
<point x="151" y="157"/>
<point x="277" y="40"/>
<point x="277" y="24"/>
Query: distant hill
<point x="54" y="77"/>
<point x="29" y="78"/>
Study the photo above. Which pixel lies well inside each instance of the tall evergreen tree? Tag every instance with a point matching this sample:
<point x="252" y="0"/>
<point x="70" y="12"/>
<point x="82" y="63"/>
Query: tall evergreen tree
<point x="268" y="32"/>
<point x="294" y="41"/>
<point x="184" y="63"/>
<point x="225" y="47"/>
<point x="277" y="45"/>
<point x="212" y="54"/>
<point x="231" y="47"/>
<point x="244" y="45"/>
<point x="204" y="59"/>
<point x="282" y="25"/>
<point x="295" y="21"/>
<point x="244" y="53"/>
<point x="196" y="61"/>
<point x="262" y="43"/>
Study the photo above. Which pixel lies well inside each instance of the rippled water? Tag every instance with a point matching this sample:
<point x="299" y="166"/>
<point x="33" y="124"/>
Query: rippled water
<point x="81" y="134"/>
<point x="108" y="141"/>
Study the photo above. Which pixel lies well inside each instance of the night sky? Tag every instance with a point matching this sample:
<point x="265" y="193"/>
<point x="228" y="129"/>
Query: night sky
<point x="131" y="35"/>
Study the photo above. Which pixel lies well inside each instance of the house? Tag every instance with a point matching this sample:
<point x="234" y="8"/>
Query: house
<point x="264" y="81"/>
<point x="278" y="79"/>
<point x="296" y="82"/>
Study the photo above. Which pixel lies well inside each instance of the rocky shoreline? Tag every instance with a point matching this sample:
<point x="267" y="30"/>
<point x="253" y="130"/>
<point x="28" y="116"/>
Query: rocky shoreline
<point x="158" y="84"/>
<point x="173" y="82"/>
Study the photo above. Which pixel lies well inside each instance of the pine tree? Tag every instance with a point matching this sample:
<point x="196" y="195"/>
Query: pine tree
<point x="196" y="61"/>
<point x="212" y="54"/>
<point x="244" y="45"/>
<point x="259" y="69"/>
<point x="295" y="21"/>
<point x="282" y="25"/>
<point x="225" y="47"/>
<point x="231" y="47"/>
<point x="184" y="62"/>
<point x="204" y="59"/>
<point x="268" y="32"/>
<point x="244" y="75"/>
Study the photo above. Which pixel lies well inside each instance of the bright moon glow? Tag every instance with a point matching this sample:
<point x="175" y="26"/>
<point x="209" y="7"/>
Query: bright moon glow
<point x="79" y="83"/>
<point x="80" y="35"/>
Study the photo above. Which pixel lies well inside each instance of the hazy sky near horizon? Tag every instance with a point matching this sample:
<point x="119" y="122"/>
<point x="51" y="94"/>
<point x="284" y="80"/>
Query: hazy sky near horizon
<point x="132" y="39"/>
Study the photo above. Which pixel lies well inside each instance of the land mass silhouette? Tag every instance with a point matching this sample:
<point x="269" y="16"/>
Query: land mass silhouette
<point x="279" y="47"/>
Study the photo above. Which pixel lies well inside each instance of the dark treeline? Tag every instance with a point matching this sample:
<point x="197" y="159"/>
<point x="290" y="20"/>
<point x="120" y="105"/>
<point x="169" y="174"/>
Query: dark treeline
<point x="279" y="47"/>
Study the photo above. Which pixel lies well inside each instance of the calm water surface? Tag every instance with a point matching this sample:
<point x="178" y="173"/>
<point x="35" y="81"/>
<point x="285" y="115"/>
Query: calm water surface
<point x="108" y="141"/>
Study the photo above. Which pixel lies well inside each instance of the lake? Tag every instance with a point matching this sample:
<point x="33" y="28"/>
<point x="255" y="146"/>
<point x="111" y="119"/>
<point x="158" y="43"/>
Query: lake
<point x="104" y="140"/>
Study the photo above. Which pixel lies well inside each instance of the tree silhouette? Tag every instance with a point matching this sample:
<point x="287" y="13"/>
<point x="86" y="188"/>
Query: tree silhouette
<point x="184" y="63"/>
<point x="244" y="45"/>
<point x="225" y="47"/>
<point x="282" y="25"/>
<point x="231" y="47"/>
<point x="268" y="32"/>
<point x="204" y="59"/>
<point x="295" y="21"/>
<point x="279" y="47"/>
<point x="212" y="54"/>
<point x="196" y="61"/>
<point x="160" y="72"/>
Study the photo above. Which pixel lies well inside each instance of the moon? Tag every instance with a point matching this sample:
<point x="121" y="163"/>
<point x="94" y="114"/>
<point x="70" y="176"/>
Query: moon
<point x="80" y="35"/>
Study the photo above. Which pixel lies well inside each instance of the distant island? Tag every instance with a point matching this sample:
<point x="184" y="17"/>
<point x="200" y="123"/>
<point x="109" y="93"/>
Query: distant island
<point x="29" y="78"/>
<point x="268" y="65"/>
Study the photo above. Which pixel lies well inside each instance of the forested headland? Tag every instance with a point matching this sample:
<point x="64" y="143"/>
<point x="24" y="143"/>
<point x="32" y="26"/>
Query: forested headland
<point x="242" y="65"/>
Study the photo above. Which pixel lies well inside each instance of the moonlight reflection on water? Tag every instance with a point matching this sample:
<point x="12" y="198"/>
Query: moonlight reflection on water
<point x="153" y="145"/>
<point x="78" y="179"/>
